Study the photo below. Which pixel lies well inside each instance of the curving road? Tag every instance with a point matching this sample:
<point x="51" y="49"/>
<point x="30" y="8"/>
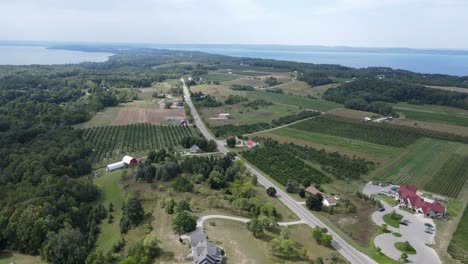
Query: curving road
<point x="349" y="252"/>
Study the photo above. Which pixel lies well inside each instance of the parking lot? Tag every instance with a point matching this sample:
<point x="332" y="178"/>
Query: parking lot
<point x="414" y="232"/>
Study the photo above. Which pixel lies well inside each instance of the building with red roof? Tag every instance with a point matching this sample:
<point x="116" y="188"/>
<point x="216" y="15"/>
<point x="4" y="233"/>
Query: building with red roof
<point x="407" y="196"/>
<point x="311" y="189"/>
<point x="251" y="144"/>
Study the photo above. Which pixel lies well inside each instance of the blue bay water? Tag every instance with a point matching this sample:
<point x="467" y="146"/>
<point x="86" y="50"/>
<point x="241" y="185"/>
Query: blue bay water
<point x="452" y="64"/>
<point x="27" y="55"/>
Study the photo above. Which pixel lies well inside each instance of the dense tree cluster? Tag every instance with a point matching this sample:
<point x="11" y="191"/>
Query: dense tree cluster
<point x="202" y="143"/>
<point x="132" y="214"/>
<point x="234" y="99"/>
<point x="315" y="78"/>
<point x="239" y="87"/>
<point x="370" y="95"/>
<point x="204" y="100"/>
<point x="271" y="81"/>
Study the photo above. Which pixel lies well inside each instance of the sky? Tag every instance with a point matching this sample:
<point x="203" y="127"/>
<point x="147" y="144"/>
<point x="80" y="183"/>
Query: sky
<point x="358" y="23"/>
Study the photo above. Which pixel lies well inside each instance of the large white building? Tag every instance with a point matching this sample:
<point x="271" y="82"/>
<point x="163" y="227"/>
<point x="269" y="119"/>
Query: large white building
<point x="127" y="160"/>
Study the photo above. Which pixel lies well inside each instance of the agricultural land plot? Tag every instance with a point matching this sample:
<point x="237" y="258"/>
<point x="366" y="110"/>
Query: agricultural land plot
<point x="353" y="129"/>
<point x="449" y="88"/>
<point x="132" y="115"/>
<point x="240" y="115"/>
<point x="438" y="127"/>
<point x="281" y="77"/>
<point x="318" y="91"/>
<point x="353" y="114"/>
<point x="451" y="177"/>
<point x="297" y="88"/>
<point x="254" y="82"/>
<point x="241" y="247"/>
<point x="147" y="93"/>
<point x="246" y="72"/>
<point x="434" y="165"/>
<point x="343" y="145"/>
<point x="303" y="102"/>
<point x="220" y="77"/>
<point x="433" y="113"/>
<point x="458" y="247"/>
<point x="114" y="141"/>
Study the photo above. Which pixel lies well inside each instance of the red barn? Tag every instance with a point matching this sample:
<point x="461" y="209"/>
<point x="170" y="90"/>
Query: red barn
<point x="129" y="160"/>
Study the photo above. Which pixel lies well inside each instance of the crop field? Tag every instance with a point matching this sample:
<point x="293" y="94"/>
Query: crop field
<point x="458" y="246"/>
<point x="275" y="161"/>
<point x="351" y="113"/>
<point x="314" y="104"/>
<point x="384" y="135"/>
<point x="297" y="88"/>
<point x="451" y="177"/>
<point x="378" y="133"/>
<point x="145" y="115"/>
<point x="254" y="82"/>
<point x="433" y="113"/>
<point x="219" y="77"/>
<point x="323" y="139"/>
<point x="112" y="141"/>
<point x="449" y="88"/>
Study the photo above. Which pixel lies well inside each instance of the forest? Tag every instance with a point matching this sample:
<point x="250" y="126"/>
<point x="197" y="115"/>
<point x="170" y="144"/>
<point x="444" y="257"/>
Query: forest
<point x="370" y="95"/>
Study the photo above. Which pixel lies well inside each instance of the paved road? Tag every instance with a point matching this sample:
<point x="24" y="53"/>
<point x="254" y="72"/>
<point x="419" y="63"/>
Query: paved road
<point x="349" y="252"/>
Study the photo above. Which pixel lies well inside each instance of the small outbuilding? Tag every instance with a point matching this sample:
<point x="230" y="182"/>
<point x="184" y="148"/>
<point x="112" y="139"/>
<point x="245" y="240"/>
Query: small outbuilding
<point x="251" y="144"/>
<point x="129" y="160"/>
<point x="312" y="190"/>
<point x="115" y="166"/>
<point x="195" y="149"/>
<point x="329" y="201"/>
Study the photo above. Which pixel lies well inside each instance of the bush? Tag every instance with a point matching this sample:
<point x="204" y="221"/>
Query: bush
<point x="271" y="191"/>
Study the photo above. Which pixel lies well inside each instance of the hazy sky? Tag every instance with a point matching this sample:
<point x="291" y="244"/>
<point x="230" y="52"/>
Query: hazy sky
<point x="376" y="23"/>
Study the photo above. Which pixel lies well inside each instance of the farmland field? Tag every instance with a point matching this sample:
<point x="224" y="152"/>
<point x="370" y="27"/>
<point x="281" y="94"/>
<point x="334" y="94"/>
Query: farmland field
<point x="219" y="77"/>
<point x="384" y="135"/>
<point x="433" y="113"/>
<point x="336" y="141"/>
<point x="275" y="161"/>
<point x="244" y="115"/>
<point x="318" y="91"/>
<point x="114" y="141"/>
<point x="144" y="115"/>
<point x="350" y="113"/>
<point x="315" y="104"/>
<point x="451" y="177"/>
<point x="449" y="88"/>
<point x="247" y="81"/>
<point x="297" y="88"/>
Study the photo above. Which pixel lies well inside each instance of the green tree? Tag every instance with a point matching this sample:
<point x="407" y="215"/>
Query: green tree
<point x="183" y="222"/>
<point x="255" y="227"/>
<point x="183" y="205"/>
<point x="66" y="246"/>
<point x="151" y="246"/>
<point x="271" y="191"/>
<point x="96" y="258"/>
<point x="290" y="186"/>
<point x="325" y="240"/>
<point x="404" y="258"/>
<point x="315" y="202"/>
<point x="169" y="205"/>
<point x="231" y="142"/>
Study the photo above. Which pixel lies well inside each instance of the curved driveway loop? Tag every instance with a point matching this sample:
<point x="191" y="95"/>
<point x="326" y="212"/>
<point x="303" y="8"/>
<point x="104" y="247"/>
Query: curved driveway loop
<point x="414" y="233"/>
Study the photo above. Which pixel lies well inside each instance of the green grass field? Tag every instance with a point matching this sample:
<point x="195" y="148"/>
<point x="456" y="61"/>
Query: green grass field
<point x="112" y="192"/>
<point x="341" y="142"/>
<point x="11" y="257"/>
<point x="241" y="247"/>
<point x="244" y="115"/>
<point x="404" y="248"/>
<point x="246" y="81"/>
<point x="433" y="113"/>
<point x="458" y="246"/>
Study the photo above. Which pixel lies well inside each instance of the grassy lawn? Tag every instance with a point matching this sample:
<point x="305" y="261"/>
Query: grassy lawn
<point x="318" y="91"/>
<point x="254" y="82"/>
<point x="393" y="219"/>
<point x="219" y="77"/>
<point x="298" y="88"/>
<point x="396" y="234"/>
<point x="340" y="142"/>
<point x="242" y="247"/>
<point x="405" y="248"/>
<point x="112" y="192"/>
<point x="11" y="257"/>
<point x="433" y="113"/>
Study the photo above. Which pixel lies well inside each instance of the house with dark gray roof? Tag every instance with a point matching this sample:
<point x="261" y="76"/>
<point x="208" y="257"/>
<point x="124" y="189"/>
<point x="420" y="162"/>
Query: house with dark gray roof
<point x="204" y="251"/>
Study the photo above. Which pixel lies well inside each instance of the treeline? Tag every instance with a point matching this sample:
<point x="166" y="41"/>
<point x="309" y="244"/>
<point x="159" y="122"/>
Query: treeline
<point x="315" y="78"/>
<point x="229" y="130"/>
<point x="370" y="95"/>
<point x="238" y="87"/>
<point x="205" y="100"/>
